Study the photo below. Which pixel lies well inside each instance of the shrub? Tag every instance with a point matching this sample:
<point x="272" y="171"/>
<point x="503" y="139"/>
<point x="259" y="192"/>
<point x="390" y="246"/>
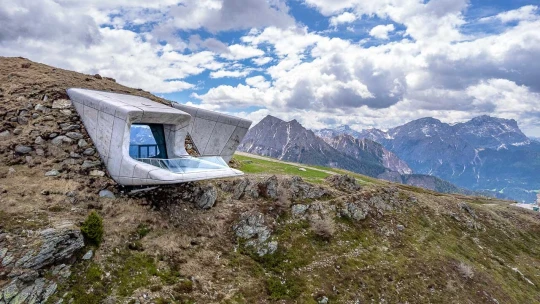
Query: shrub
<point x="323" y="229"/>
<point x="92" y="228"/>
<point x="289" y="288"/>
<point x="184" y="286"/>
<point x="466" y="270"/>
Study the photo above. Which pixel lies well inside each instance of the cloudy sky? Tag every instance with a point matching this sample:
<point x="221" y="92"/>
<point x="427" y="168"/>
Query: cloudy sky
<point x="366" y="63"/>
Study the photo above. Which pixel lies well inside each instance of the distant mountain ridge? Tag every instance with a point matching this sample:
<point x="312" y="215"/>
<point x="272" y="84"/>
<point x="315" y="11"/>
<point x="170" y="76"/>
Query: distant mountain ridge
<point x="484" y="153"/>
<point x="290" y="141"/>
<point x="366" y="149"/>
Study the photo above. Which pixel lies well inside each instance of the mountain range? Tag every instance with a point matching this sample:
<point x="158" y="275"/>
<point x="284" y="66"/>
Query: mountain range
<point x="483" y="154"/>
<point x="291" y="141"/>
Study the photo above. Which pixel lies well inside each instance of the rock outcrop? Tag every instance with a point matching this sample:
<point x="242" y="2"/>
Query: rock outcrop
<point x="254" y="231"/>
<point x="25" y="259"/>
<point x="343" y="182"/>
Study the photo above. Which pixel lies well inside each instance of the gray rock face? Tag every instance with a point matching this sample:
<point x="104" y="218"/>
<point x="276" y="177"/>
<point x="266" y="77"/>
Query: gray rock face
<point x="256" y="233"/>
<point x="299" y="210"/>
<point x="343" y="182"/>
<point x="464" y="206"/>
<point x="74" y="155"/>
<point x="292" y="142"/>
<point x="89" y="151"/>
<point x="368" y="150"/>
<point x="353" y="211"/>
<point x="42" y="108"/>
<point x="68" y="127"/>
<point x="59" y="244"/>
<point x="269" y="188"/>
<point x="39" y="140"/>
<point x="299" y="190"/>
<point x="88" y="255"/>
<point x="4" y="134"/>
<point x="82" y="143"/>
<point x="60" y="140"/>
<point x="207" y="198"/>
<point x="61" y="104"/>
<point x="74" y="135"/>
<point x="106" y="194"/>
<point x="26" y="258"/>
<point x="23" y="149"/>
<point x="52" y="173"/>
<point x="97" y="173"/>
<point x="90" y="164"/>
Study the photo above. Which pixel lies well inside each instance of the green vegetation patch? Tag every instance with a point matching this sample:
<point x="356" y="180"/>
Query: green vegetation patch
<point x="260" y="166"/>
<point x="92" y="228"/>
<point x="119" y="276"/>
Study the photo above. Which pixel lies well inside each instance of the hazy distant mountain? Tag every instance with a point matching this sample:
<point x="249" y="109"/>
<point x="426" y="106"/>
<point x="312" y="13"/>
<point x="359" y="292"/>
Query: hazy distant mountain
<point x="485" y="153"/>
<point x="290" y="141"/>
<point x="329" y="133"/>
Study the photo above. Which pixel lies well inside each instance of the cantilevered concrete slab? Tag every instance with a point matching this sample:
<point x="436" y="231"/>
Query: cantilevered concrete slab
<point x="108" y="118"/>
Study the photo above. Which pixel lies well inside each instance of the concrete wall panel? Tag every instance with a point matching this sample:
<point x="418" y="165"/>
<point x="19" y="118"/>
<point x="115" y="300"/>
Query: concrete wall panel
<point x="218" y="139"/>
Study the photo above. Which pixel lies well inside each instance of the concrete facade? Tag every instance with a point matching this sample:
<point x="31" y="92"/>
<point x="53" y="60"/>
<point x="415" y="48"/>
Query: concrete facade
<point x="215" y="133"/>
<point x="108" y="118"/>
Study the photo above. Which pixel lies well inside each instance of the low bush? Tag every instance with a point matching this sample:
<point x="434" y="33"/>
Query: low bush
<point x="92" y="229"/>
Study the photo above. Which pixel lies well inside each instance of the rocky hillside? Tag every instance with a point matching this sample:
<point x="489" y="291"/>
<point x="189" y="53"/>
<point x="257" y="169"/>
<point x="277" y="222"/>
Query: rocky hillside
<point x="485" y="153"/>
<point x="255" y="239"/>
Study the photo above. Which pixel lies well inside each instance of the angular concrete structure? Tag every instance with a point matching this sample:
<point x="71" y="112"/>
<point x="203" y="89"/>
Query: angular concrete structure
<point x="142" y="142"/>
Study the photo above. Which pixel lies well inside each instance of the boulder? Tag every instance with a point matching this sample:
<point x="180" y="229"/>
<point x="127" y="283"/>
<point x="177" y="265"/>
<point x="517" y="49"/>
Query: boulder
<point x="299" y="210"/>
<point x="106" y="194"/>
<point x="82" y="143"/>
<point x="97" y="173"/>
<point x="89" y="151"/>
<point x="90" y="164"/>
<point x="207" y="197"/>
<point x="23" y="149"/>
<point x="4" y="134"/>
<point x="269" y="188"/>
<point x="253" y="229"/>
<point x="343" y="182"/>
<point x="41" y="108"/>
<point x="74" y="135"/>
<point x="60" y="140"/>
<point x="28" y="257"/>
<point x="52" y="173"/>
<point x="353" y="211"/>
<point x="61" y="104"/>
<point x="298" y="189"/>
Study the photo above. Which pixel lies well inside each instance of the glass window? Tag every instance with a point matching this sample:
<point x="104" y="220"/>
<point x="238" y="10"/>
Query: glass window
<point x="147" y="141"/>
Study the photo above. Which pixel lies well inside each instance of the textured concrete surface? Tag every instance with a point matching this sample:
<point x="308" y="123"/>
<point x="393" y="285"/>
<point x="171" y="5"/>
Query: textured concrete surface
<point x="108" y="118"/>
<point x="215" y="134"/>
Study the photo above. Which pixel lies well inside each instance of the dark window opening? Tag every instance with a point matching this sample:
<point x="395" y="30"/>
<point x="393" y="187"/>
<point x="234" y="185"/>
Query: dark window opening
<point x="147" y="141"/>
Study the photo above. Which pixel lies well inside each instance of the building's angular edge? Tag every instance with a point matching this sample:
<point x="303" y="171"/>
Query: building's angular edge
<point x="214" y="133"/>
<point x="108" y="117"/>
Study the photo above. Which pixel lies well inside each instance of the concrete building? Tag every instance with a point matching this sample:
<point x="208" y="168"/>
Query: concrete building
<point x="142" y="142"/>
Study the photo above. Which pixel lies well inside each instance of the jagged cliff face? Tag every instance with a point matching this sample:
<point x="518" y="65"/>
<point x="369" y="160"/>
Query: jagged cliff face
<point x="290" y="141"/>
<point x="483" y="153"/>
<point x="368" y="150"/>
